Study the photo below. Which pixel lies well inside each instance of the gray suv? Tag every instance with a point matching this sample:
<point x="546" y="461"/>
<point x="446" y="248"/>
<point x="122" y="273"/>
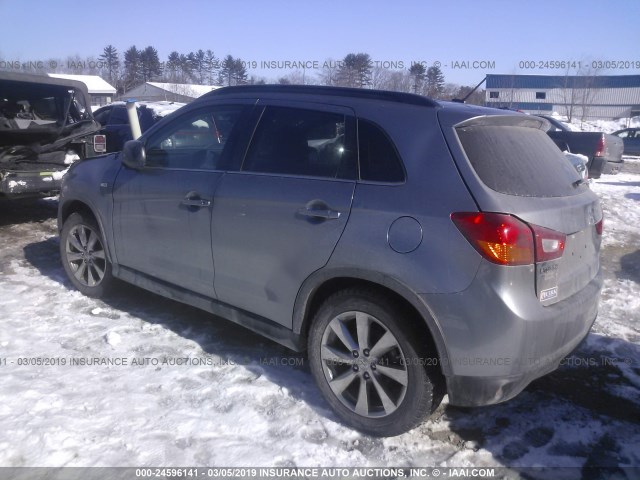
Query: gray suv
<point x="412" y="247"/>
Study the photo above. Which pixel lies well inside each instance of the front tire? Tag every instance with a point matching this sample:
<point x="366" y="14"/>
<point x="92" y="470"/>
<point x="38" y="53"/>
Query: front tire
<point x="371" y="365"/>
<point x="84" y="257"/>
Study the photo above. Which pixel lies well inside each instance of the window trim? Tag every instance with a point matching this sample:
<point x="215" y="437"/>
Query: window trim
<point x="395" y="149"/>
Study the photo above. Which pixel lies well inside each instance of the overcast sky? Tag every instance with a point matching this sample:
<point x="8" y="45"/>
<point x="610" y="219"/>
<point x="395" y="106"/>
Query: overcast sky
<point x="503" y="32"/>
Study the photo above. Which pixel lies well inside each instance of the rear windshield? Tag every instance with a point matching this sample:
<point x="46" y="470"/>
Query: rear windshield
<point x="519" y="161"/>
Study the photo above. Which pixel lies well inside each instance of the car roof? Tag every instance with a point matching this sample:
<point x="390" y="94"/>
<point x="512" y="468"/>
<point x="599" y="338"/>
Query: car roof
<point x="43" y="80"/>
<point x="351" y="96"/>
<point x="325" y="91"/>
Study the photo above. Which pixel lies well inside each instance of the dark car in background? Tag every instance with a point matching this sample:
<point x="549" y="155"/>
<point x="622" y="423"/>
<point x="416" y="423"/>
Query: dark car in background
<point x="604" y="151"/>
<point x="45" y="125"/>
<point x="411" y="247"/>
<point x="115" y="120"/>
<point x="631" y="139"/>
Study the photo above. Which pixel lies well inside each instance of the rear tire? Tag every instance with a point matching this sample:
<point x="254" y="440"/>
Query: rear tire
<point x="371" y="365"/>
<point x="84" y="257"/>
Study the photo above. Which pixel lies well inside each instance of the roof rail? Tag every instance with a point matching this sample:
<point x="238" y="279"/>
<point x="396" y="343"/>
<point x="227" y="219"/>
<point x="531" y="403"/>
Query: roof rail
<point x="386" y="95"/>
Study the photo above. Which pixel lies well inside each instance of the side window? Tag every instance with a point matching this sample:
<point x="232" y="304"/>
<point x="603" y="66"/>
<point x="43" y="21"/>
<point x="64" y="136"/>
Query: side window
<point x="119" y="116"/>
<point x="379" y="160"/>
<point x="294" y="141"/>
<point x="624" y="134"/>
<point x="102" y="116"/>
<point x="195" y="141"/>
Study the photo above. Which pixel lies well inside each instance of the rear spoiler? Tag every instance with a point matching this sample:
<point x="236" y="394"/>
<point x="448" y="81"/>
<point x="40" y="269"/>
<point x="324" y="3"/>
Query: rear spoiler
<point x="506" y="121"/>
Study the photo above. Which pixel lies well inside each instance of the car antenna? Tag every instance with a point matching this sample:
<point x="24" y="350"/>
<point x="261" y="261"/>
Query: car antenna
<point x="463" y="100"/>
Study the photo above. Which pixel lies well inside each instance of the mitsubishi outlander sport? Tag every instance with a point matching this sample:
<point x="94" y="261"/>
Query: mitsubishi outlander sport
<point x="413" y="248"/>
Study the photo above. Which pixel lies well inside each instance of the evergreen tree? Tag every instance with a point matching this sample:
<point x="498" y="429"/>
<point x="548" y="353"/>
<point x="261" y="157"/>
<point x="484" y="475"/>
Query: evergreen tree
<point x="417" y="72"/>
<point x="435" y="82"/>
<point x="132" y="68"/>
<point x="186" y="67"/>
<point x="239" y="72"/>
<point x="212" y="67"/>
<point x="150" y="64"/>
<point x="172" y="67"/>
<point x="226" y="70"/>
<point x="111" y="62"/>
<point x="199" y="64"/>
<point x="355" y="70"/>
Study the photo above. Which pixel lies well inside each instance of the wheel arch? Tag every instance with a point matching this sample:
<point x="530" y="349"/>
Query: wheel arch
<point x="78" y="206"/>
<point x="322" y="284"/>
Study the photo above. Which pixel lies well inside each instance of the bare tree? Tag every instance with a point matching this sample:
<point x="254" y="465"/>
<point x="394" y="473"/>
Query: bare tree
<point x="450" y="91"/>
<point x="329" y="72"/>
<point x="568" y="93"/>
<point x="380" y="78"/>
<point x="296" y="77"/>
<point x="588" y="91"/>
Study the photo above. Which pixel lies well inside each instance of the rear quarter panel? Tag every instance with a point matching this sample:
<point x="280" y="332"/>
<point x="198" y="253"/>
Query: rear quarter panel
<point x="443" y="261"/>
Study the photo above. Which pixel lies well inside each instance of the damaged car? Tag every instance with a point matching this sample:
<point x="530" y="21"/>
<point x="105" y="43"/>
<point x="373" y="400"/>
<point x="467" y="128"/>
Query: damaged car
<point x="45" y="125"/>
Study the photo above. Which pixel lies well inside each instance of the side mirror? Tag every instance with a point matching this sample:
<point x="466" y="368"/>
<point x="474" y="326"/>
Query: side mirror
<point x="134" y="155"/>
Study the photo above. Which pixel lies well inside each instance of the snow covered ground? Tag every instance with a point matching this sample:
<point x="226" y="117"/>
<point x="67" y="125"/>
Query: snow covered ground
<point x="597" y="125"/>
<point x="204" y="392"/>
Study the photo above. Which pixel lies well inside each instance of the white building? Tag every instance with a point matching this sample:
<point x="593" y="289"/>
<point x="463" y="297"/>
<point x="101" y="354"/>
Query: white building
<point x="172" y="92"/>
<point x="582" y="97"/>
<point x="101" y="92"/>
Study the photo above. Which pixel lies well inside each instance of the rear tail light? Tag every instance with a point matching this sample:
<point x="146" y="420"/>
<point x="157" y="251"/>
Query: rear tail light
<point x="506" y="240"/>
<point x="600" y="226"/>
<point x="99" y="143"/>
<point x="601" y="147"/>
<point x="549" y="243"/>
<point x="499" y="238"/>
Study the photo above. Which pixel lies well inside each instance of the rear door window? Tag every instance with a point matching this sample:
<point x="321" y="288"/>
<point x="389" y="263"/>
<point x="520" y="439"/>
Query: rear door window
<point x="518" y="160"/>
<point x="296" y="141"/>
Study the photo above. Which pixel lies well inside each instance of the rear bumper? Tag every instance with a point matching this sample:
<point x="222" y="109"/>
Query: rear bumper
<point x="30" y="184"/>
<point x="596" y="166"/>
<point x="613" y="168"/>
<point x="500" y="338"/>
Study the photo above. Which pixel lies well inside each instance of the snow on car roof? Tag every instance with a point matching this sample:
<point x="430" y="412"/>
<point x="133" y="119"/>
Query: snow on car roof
<point x="187" y="89"/>
<point x="160" y="108"/>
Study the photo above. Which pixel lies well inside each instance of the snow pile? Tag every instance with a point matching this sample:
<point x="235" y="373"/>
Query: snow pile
<point x="139" y="380"/>
<point x="596" y="125"/>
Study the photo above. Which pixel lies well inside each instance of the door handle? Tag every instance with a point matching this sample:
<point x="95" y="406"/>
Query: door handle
<point x="193" y="199"/>
<point x="325" y="213"/>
